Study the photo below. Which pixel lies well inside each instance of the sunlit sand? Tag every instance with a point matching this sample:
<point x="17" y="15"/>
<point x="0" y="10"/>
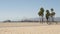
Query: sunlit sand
<point x="29" y="28"/>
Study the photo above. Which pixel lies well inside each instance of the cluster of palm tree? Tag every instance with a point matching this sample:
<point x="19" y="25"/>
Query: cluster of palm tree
<point x="48" y="14"/>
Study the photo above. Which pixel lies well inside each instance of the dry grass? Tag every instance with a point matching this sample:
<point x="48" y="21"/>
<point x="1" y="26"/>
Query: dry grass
<point x="29" y="28"/>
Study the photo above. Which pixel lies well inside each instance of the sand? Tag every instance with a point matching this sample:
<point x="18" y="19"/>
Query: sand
<point x="29" y="28"/>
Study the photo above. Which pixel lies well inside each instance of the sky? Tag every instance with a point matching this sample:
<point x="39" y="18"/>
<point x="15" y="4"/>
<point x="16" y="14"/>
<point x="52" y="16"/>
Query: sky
<point x="23" y="9"/>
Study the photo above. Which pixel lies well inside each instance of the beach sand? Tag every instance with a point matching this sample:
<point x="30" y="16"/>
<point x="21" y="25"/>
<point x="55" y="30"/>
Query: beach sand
<point x="29" y="28"/>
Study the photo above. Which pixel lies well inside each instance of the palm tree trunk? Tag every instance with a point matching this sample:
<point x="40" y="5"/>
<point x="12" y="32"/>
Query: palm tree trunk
<point x="47" y="21"/>
<point x="42" y="18"/>
<point x="52" y="19"/>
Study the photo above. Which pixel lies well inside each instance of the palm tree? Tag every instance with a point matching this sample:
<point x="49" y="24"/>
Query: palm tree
<point x="52" y="14"/>
<point x="41" y="13"/>
<point x="47" y="15"/>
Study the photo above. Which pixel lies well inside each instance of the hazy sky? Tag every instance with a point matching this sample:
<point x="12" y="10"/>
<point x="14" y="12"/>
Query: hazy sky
<point x="20" y="9"/>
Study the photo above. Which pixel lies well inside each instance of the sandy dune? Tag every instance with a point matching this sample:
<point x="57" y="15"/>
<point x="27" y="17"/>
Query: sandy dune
<point x="28" y="28"/>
